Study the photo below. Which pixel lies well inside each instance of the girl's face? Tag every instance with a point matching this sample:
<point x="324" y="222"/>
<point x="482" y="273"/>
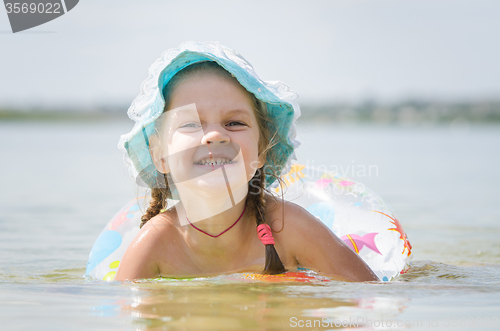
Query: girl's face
<point x="210" y="133"/>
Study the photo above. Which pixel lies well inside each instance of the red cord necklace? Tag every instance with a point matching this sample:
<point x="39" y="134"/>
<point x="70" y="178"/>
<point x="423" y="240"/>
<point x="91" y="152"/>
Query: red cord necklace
<point x="211" y="235"/>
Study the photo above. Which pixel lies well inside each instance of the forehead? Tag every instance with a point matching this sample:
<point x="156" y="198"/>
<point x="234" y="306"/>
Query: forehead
<point x="211" y="90"/>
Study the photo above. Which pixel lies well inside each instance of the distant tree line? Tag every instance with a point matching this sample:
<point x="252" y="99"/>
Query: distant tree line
<point x="412" y="111"/>
<point x="404" y="112"/>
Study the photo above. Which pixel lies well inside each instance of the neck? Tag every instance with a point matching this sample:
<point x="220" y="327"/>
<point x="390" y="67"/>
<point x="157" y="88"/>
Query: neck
<point x="214" y="212"/>
<point x="227" y="245"/>
<point x="215" y="207"/>
<point x="220" y="234"/>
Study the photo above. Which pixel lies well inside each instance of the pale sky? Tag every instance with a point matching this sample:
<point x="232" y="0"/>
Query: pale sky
<point x="99" y="53"/>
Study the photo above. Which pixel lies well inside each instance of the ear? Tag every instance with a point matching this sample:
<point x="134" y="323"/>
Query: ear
<point x="158" y="154"/>
<point x="262" y="161"/>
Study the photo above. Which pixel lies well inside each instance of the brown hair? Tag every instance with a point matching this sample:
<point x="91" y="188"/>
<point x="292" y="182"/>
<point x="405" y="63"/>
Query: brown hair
<point x="257" y="185"/>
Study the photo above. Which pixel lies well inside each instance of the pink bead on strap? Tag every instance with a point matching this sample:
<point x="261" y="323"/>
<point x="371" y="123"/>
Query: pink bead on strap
<point x="265" y="235"/>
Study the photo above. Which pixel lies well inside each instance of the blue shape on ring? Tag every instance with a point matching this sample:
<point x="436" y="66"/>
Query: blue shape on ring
<point x="107" y="243"/>
<point x="324" y="211"/>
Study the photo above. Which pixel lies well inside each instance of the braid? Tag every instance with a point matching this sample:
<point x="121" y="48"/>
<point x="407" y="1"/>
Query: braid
<point x="158" y="201"/>
<point x="273" y="264"/>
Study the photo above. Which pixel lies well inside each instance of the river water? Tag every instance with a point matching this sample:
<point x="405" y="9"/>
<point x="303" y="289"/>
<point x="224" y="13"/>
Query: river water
<point x="62" y="182"/>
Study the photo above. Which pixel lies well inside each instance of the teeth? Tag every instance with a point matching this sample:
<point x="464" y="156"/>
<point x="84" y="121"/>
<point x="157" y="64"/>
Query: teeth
<point x="215" y="161"/>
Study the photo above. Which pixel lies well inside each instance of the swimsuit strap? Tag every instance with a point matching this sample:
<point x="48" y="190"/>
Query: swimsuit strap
<point x="215" y="236"/>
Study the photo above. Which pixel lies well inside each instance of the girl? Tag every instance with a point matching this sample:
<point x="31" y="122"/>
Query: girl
<point x="213" y="136"/>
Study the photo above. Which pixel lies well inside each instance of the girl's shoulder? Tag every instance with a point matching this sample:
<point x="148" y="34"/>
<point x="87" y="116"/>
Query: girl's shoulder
<point x="290" y="222"/>
<point x="301" y="237"/>
<point x="143" y="258"/>
<point x="156" y="233"/>
<point x="162" y="226"/>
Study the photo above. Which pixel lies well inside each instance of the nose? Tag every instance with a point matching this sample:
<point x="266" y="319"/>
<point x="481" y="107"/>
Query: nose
<point x="214" y="135"/>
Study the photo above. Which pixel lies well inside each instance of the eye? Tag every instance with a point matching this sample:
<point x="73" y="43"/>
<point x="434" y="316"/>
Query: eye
<point x="236" y="123"/>
<point x="190" y="125"/>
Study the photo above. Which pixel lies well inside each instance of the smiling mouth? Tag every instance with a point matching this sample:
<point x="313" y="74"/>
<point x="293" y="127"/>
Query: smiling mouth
<point x="215" y="161"/>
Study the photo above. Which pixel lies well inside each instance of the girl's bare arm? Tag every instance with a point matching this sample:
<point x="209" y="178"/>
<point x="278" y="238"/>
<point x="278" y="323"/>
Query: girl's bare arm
<point x="316" y="247"/>
<point x="139" y="261"/>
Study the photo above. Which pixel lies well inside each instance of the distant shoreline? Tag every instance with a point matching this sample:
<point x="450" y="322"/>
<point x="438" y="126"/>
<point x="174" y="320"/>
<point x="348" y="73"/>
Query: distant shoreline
<point x="405" y="112"/>
<point x="57" y="116"/>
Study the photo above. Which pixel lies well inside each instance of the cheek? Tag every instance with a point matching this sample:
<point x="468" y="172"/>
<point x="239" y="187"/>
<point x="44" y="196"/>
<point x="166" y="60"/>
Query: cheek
<point x="251" y="156"/>
<point x="181" y="143"/>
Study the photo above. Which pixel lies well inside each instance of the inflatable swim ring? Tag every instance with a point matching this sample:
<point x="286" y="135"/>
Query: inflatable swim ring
<point x="353" y="212"/>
